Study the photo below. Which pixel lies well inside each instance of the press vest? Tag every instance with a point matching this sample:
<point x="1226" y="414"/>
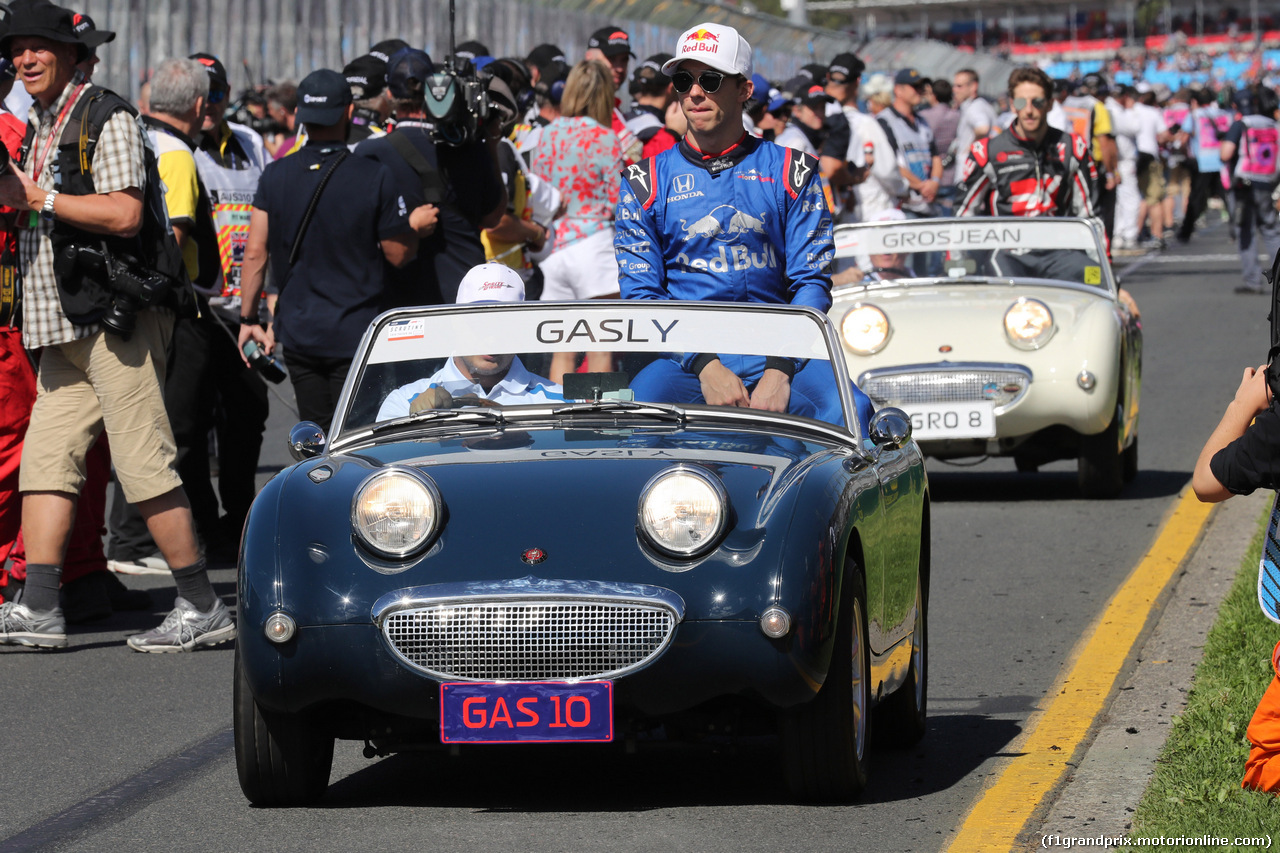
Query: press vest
<point x="230" y="192"/>
<point x="914" y="146"/>
<point x="85" y="294"/>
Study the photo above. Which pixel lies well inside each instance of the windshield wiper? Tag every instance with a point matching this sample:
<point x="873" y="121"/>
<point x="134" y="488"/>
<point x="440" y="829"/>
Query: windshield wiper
<point x="475" y="415"/>
<point x="665" y="410"/>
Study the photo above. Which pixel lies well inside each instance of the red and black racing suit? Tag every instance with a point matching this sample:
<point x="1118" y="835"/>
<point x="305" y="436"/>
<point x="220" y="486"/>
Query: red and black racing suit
<point x="1011" y="176"/>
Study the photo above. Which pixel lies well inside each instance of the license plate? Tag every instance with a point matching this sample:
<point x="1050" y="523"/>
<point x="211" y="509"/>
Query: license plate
<point x="931" y="421"/>
<point x="526" y="712"/>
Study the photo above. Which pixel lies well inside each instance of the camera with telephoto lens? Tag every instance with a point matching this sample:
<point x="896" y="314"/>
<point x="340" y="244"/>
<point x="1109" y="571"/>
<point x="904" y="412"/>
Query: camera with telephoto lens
<point x="132" y="286"/>
<point x="457" y="100"/>
<point x="263" y="363"/>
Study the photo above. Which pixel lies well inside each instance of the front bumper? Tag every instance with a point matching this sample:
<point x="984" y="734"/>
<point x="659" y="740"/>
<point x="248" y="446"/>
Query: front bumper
<point x="704" y="660"/>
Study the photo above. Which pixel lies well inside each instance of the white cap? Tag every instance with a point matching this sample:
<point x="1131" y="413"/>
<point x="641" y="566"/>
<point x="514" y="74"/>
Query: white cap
<point x="714" y="44"/>
<point x="491" y="283"/>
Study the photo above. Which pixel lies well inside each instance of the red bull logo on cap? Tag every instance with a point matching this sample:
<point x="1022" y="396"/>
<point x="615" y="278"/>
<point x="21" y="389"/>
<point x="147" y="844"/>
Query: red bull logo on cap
<point x="701" y="40"/>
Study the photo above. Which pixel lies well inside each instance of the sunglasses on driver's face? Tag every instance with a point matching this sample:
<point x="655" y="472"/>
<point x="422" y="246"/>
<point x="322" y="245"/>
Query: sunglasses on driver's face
<point x="1040" y="104"/>
<point x="709" y="81"/>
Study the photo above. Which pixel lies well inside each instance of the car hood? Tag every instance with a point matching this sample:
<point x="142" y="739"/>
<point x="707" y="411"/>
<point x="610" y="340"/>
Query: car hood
<point x="571" y="494"/>
<point x="968" y="318"/>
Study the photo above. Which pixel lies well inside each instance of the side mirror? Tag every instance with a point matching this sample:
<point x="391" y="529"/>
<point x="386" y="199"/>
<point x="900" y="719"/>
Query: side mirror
<point x="306" y="441"/>
<point x="890" y="428"/>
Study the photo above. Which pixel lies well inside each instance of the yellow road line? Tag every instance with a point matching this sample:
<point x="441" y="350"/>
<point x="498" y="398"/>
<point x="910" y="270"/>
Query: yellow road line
<point x="1081" y="694"/>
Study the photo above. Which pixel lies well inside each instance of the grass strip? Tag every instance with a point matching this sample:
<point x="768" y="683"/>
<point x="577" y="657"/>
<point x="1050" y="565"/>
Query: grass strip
<point x="1196" y="787"/>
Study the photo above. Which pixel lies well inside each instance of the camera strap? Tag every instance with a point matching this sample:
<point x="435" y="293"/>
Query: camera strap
<point x="311" y="208"/>
<point x="428" y="176"/>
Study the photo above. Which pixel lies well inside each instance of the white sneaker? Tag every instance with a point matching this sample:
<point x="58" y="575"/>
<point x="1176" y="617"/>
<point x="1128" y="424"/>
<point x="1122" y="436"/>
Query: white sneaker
<point x="186" y="628"/>
<point x="153" y="565"/>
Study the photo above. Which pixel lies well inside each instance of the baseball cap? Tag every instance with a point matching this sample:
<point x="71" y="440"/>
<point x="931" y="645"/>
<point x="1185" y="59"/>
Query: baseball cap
<point x="366" y="75"/>
<point x="388" y="48"/>
<point x="649" y="72"/>
<point x="545" y="54"/>
<point x="491" y="282"/>
<point x="323" y="97"/>
<point x="408" y="67"/>
<point x="909" y="77"/>
<point x="715" y="45"/>
<point x="472" y="50"/>
<point x="845" y="67"/>
<point x="217" y="73"/>
<point x="611" y="41"/>
<point x="812" y="95"/>
<point x="88" y="32"/>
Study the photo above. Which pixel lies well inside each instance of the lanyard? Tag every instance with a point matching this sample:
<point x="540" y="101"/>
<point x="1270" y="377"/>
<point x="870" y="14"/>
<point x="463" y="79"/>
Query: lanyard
<point x="57" y="130"/>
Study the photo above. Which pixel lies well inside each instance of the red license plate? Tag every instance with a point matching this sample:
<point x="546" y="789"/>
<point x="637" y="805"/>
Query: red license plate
<point x="526" y="712"/>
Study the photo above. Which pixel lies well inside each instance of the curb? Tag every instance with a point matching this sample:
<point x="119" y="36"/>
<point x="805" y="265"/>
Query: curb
<point x="1100" y="795"/>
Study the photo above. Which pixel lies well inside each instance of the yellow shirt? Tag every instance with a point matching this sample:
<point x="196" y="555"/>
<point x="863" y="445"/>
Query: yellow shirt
<point x="177" y="168"/>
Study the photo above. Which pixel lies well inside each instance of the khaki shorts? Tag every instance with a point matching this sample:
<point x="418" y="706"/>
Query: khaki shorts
<point x="96" y="382"/>
<point x="1151" y="182"/>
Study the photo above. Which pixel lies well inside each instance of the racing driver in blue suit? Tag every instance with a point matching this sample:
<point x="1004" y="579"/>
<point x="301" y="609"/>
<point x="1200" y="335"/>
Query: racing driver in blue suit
<point x="725" y="216"/>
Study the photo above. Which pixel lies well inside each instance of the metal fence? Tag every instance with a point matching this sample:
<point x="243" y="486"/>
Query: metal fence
<point x="285" y="39"/>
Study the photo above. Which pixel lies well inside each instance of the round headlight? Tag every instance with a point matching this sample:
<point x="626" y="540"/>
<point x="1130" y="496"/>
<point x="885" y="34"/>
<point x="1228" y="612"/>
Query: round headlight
<point x="865" y="329"/>
<point x="1028" y="323"/>
<point x="683" y="511"/>
<point x="396" y="512"/>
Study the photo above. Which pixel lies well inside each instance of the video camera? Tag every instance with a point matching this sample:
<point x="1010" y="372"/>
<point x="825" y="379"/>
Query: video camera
<point x="458" y="102"/>
<point x="456" y="98"/>
<point x="133" y="286"/>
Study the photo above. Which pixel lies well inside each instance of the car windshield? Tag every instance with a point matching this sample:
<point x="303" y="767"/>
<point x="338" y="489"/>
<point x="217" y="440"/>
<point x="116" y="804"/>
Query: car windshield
<point x="976" y="249"/>
<point x="491" y="363"/>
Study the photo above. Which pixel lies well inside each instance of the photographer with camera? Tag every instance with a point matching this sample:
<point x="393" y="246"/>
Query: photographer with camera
<point x="432" y="177"/>
<point x="99" y="265"/>
<point x="331" y="224"/>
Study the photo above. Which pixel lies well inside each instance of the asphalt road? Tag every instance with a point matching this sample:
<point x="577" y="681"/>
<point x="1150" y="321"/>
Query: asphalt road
<point x="105" y="750"/>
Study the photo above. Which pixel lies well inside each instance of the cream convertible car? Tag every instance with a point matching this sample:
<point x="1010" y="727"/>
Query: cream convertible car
<point x="1000" y="337"/>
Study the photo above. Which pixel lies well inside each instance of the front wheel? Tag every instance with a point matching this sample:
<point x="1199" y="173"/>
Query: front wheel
<point x="824" y="742"/>
<point x="1101" y="464"/>
<point x="280" y="758"/>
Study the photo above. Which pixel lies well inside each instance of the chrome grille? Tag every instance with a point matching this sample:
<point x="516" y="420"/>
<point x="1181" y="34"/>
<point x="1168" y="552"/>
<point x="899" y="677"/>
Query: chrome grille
<point x="946" y="386"/>
<point x="529" y="640"/>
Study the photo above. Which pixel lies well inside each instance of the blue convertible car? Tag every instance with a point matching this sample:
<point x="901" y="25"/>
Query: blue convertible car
<point x="478" y="555"/>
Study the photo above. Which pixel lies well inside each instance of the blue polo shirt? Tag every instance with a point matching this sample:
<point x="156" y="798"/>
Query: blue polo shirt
<point x="340" y="281"/>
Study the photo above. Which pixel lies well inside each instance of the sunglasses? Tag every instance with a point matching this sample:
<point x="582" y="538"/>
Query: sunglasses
<point x="1040" y="104"/>
<point x="217" y="96"/>
<point x="709" y="81"/>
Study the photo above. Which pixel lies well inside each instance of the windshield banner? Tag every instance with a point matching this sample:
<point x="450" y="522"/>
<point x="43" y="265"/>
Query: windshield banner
<point x="614" y="327"/>
<point x="934" y="235"/>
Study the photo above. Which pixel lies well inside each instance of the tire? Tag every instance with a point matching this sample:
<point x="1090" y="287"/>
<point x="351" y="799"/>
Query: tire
<point x="1131" y="461"/>
<point x="1101" y="466"/>
<point x="280" y="758"/>
<point x="902" y="718"/>
<point x="824" y="742"/>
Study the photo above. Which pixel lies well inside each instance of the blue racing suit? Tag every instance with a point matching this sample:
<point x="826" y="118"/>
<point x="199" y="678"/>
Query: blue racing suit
<point x="749" y="224"/>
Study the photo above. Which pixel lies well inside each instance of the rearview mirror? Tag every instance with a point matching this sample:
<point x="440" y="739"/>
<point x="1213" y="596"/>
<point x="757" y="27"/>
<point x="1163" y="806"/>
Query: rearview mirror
<point x="306" y="441"/>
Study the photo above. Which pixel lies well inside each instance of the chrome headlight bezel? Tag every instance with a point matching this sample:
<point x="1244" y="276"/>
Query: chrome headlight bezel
<point x="714" y="531"/>
<point x="1047" y="326"/>
<point x="862" y="348"/>
<point x="413" y="479"/>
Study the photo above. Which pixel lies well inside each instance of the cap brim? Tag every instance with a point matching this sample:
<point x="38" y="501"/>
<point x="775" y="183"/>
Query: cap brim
<point x="616" y="50"/>
<point x="326" y="116"/>
<point x="97" y="38"/>
<point x="669" y="67"/>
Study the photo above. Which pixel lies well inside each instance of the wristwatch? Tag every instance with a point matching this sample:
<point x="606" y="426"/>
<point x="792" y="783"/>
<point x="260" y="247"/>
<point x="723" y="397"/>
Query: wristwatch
<point x="249" y="321"/>
<point x="46" y="209"/>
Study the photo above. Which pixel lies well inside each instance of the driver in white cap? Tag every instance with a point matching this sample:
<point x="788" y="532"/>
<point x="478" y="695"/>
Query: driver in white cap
<point x="476" y="380"/>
